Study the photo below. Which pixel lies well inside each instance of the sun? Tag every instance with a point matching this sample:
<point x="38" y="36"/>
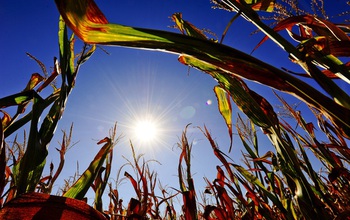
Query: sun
<point x="146" y="131"/>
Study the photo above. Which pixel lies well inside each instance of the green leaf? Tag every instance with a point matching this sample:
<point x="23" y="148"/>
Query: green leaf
<point x="81" y="186"/>
<point x="28" y="117"/>
<point x="66" y="53"/>
<point x="241" y="95"/>
<point x="48" y="127"/>
<point x="225" y="109"/>
<point x="256" y="182"/>
<point x="101" y="183"/>
<point x="18" y="98"/>
<point x="28" y="171"/>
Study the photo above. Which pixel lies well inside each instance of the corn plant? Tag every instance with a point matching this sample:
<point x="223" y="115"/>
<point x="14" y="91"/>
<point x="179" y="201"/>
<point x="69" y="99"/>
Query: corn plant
<point x="278" y="184"/>
<point x="22" y="164"/>
<point x="281" y="184"/>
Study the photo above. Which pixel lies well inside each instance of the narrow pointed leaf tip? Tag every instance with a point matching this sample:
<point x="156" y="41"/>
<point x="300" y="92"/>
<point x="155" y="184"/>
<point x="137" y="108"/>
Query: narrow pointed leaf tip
<point x="185" y="26"/>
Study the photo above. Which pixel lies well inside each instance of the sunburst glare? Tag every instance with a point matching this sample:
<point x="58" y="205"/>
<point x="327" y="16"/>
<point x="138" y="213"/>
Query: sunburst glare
<point x="146" y="131"/>
<point x="148" y="115"/>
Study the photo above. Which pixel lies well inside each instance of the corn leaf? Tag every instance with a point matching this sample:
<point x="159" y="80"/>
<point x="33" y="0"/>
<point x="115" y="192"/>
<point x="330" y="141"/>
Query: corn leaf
<point x="134" y="184"/>
<point x="35" y="79"/>
<point x="320" y="26"/>
<point x="256" y="5"/>
<point x="66" y="53"/>
<point x="186" y="27"/>
<point x="254" y="155"/>
<point x="219" y="213"/>
<point x="14" y="126"/>
<point x="261" y="5"/>
<point x="81" y="186"/>
<point x="330" y="41"/>
<point x="50" y="122"/>
<point x="89" y="24"/>
<point x="18" y="99"/>
<point x="219" y="154"/>
<point x="305" y="91"/>
<point x="101" y="183"/>
<point x="27" y="172"/>
<point x="225" y="109"/>
<point x="253" y="105"/>
<point x="187" y="190"/>
<point x="256" y="182"/>
<point x="5" y="121"/>
<point x="52" y="77"/>
<point x="267" y="5"/>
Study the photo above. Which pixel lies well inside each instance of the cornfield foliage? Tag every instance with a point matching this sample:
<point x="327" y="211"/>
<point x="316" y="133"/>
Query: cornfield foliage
<point x="278" y="184"/>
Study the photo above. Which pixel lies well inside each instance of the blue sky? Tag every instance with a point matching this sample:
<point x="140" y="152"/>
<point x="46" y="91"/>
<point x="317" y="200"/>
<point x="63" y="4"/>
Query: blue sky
<point x="127" y="84"/>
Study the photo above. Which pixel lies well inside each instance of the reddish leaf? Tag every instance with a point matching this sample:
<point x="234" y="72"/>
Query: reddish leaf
<point x="6" y="119"/>
<point x="35" y="79"/>
<point x="338" y="172"/>
<point x="220" y="176"/>
<point x="336" y="159"/>
<point x="310" y="128"/>
<point x="265" y="106"/>
<point x="88" y="9"/>
<point x="133" y="207"/>
<point x="263" y="158"/>
<point x="52" y="77"/>
<point x="104" y="140"/>
<point x="319" y="26"/>
<point x="189" y="206"/>
<point x="134" y="183"/>
<point x="220" y="155"/>
<point x="226" y="201"/>
<point x="42" y="180"/>
<point x="219" y="213"/>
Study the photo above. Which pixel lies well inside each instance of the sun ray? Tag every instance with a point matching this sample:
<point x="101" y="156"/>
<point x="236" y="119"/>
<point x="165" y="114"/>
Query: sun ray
<point x="147" y="113"/>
